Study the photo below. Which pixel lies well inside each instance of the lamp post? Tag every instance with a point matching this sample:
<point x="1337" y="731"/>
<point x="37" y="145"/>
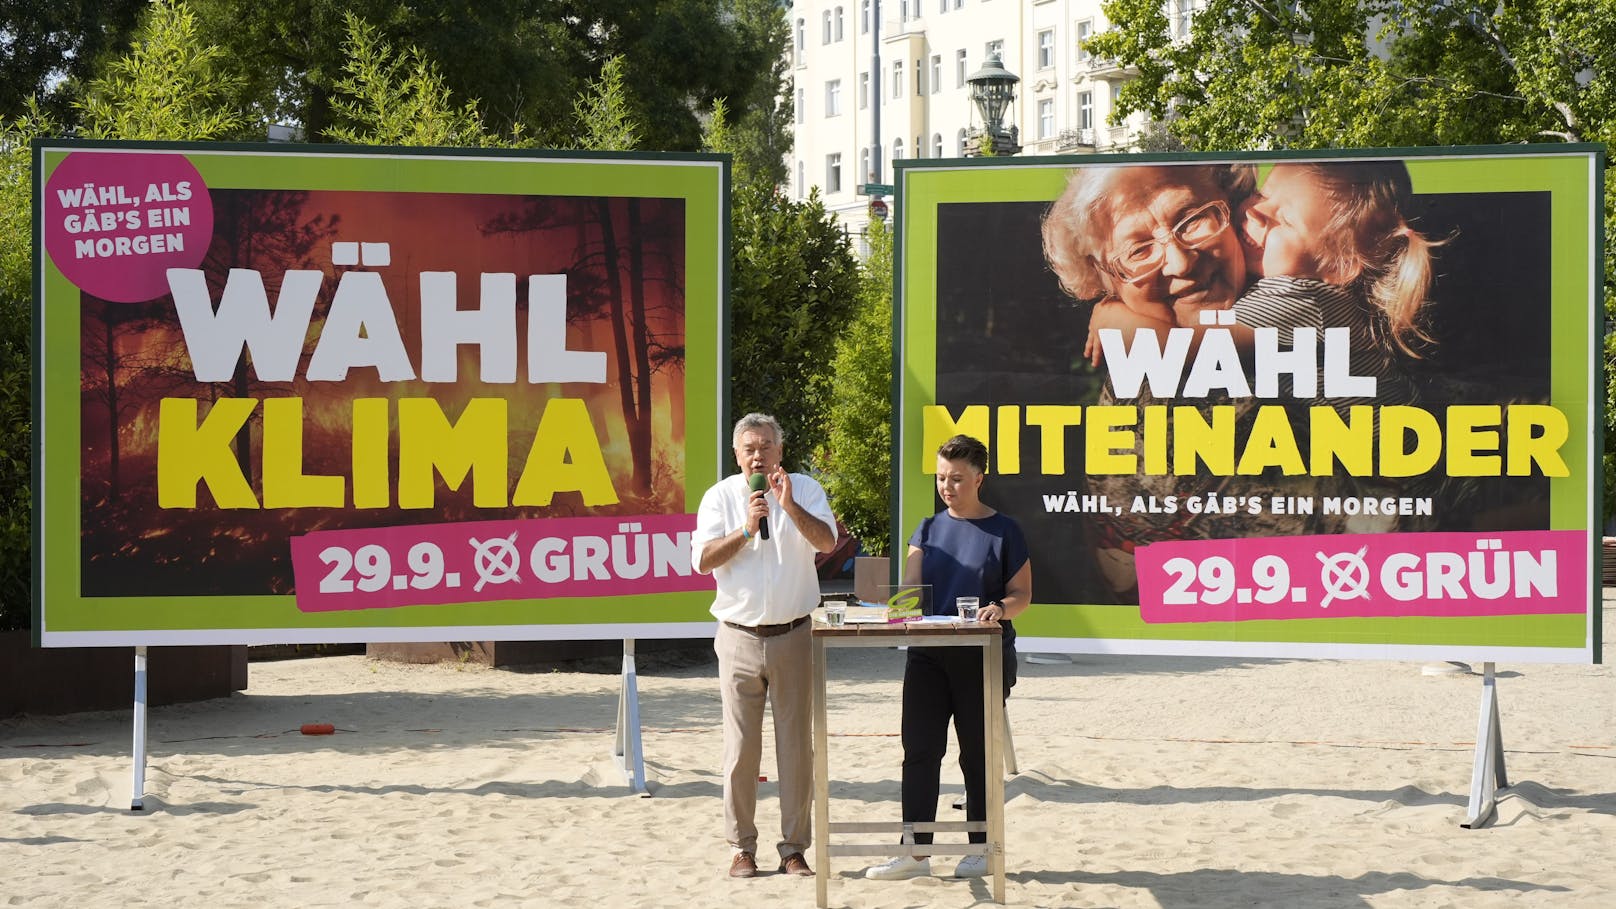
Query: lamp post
<point x="993" y="88"/>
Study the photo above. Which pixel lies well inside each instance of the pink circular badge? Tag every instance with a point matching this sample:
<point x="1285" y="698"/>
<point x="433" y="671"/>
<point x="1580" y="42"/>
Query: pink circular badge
<point x="115" y="223"/>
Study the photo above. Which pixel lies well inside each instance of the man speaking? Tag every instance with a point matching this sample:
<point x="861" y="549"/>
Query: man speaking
<point x="757" y="533"/>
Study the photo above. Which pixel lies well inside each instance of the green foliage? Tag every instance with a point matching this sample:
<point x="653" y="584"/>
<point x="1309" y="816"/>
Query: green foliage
<point x="54" y="48"/>
<point x="170" y="86"/>
<point x="762" y="137"/>
<point x="16" y="307"/>
<point x="1256" y="74"/>
<point x="794" y="288"/>
<point x="398" y="98"/>
<point x="523" y="61"/>
<point x="602" y="114"/>
<point x="857" y="456"/>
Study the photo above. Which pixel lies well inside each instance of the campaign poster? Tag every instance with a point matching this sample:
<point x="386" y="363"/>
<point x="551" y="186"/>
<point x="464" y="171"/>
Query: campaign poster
<point x="1335" y="404"/>
<point x="312" y="393"/>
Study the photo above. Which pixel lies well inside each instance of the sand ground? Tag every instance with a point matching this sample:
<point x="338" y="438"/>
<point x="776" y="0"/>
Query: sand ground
<point x="1145" y="782"/>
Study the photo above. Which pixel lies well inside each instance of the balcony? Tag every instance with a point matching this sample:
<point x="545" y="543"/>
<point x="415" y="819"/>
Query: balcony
<point x="1068" y="139"/>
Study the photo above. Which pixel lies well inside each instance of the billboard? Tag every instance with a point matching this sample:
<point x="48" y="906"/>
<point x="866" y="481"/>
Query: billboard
<point x="1321" y="405"/>
<point x="301" y="394"/>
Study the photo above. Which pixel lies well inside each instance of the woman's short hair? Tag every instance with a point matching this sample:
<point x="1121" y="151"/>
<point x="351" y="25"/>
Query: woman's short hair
<point x="967" y="449"/>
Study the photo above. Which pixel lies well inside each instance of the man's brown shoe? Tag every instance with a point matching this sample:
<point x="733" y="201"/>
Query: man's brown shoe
<point x="796" y="864"/>
<point x="744" y="865"/>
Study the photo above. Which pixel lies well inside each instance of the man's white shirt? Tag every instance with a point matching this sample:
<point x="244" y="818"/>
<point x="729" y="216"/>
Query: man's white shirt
<point x="768" y="582"/>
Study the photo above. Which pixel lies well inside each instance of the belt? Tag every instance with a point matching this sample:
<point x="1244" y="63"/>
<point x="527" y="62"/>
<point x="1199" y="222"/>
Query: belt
<point x="768" y="631"/>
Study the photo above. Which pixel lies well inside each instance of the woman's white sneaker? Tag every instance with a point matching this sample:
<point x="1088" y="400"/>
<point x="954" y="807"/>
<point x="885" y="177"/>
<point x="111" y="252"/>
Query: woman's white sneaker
<point x="901" y="868"/>
<point x="972" y="866"/>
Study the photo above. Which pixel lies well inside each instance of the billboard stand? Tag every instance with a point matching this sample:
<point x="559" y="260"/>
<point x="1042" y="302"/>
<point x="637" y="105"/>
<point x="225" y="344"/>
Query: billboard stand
<point x="1488" y="776"/>
<point x="137" y="796"/>
<point x="627" y="751"/>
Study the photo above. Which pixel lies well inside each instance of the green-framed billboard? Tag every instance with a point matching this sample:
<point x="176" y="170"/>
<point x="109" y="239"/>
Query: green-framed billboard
<point x="1333" y="404"/>
<point x="291" y="394"/>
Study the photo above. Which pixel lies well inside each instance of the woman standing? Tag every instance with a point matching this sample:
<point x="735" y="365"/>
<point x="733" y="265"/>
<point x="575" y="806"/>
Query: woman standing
<point x="966" y="550"/>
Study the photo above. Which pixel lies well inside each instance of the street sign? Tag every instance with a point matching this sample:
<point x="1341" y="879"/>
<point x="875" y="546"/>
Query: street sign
<point x="878" y="210"/>
<point x="876" y="189"/>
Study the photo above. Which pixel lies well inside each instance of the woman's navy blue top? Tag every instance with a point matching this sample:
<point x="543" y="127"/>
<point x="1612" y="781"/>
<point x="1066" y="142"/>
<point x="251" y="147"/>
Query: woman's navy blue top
<point x="969" y="558"/>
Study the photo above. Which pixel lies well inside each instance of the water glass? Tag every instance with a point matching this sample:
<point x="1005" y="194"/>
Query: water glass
<point x="967" y="607"/>
<point x="835" y="613"/>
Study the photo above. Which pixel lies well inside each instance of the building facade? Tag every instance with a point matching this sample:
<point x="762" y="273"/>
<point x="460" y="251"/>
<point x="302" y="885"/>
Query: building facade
<point x="880" y="80"/>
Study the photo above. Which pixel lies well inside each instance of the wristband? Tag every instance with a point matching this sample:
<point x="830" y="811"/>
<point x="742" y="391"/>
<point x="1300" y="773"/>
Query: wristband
<point x="746" y="535"/>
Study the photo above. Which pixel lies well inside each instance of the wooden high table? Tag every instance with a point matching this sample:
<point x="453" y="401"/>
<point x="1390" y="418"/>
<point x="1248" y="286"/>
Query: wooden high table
<point x="914" y="634"/>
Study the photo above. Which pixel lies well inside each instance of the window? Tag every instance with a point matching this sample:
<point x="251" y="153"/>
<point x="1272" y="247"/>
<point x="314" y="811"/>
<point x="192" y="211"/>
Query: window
<point x="1085" y="30"/>
<point x="864" y="90"/>
<point x="825" y="30"/>
<point x="959" y="144"/>
<point x="833" y="98"/>
<point x="959" y="68"/>
<point x="1116" y="93"/>
<point x="936" y="73"/>
<point x="897" y="149"/>
<point x="838" y="23"/>
<point x="1046" y="48"/>
<point x="802" y="180"/>
<point x="958" y="3"/>
<point x="1046" y="119"/>
<point x="897" y="79"/>
<point x="864" y="17"/>
<point x="903" y="10"/>
<point x="802" y="37"/>
<point x="996" y="47"/>
<point x="1085" y="110"/>
<point x="942" y="6"/>
<point x="833" y="172"/>
<point x="802" y="104"/>
<point x="864" y="165"/>
<point x="937" y="145"/>
<point x="1183" y="12"/>
<point x="920" y="148"/>
<point x="920" y="82"/>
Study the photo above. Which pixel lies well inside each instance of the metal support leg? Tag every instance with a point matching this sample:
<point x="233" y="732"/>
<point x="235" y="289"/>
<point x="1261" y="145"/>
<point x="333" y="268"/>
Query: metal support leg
<point x="1009" y="747"/>
<point x="138" y="795"/>
<point x="1488" y="775"/>
<point x="628" y="752"/>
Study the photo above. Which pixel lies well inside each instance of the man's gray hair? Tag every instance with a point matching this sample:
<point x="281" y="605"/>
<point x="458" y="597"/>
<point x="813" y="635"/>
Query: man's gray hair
<point x="757" y="421"/>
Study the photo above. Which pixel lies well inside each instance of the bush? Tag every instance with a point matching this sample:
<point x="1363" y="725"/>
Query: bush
<point x="857" y="456"/>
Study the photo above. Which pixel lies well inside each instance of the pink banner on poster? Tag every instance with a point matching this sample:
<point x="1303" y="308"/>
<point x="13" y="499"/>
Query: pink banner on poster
<point x="1538" y="572"/>
<point x="115" y="223"/>
<point x="482" y="561"/>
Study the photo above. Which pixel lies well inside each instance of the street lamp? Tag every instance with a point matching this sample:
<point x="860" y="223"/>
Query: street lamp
<point x="992" y="89"/>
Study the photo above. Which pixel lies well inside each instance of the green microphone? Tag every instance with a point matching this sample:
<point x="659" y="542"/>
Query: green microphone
<point x="759" y="482"/>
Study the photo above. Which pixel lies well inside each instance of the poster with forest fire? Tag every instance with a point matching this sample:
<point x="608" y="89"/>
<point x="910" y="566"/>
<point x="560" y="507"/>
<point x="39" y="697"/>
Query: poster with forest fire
<point x="315" y="394"/>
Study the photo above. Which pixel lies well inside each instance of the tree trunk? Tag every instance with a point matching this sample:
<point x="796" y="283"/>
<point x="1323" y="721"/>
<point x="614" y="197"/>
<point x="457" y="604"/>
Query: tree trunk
<point x="614" y="287"/>
<point x="639" y="433"/>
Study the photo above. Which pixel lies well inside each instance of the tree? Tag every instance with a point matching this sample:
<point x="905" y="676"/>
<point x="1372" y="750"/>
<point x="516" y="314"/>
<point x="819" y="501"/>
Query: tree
<point x="388" y="97"/>
<point x="857" y="454"/>
<point x="603" y="114"/>
<point x="523" y="61"/>
<point x="170" y="87"/>
<point x="54" y="49"/>
<point x="761" y="139"/>
<point x="16" y="419"/>
<point x="794" y="283"/>
<point x="1257" y="74"/>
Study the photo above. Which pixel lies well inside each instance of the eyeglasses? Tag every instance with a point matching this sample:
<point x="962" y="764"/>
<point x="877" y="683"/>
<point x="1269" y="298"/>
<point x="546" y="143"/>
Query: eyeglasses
<point x="1141" y="260"/>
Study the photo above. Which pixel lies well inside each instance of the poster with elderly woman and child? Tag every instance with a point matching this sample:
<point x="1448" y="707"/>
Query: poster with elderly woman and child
<point x="1330" y="404"/>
